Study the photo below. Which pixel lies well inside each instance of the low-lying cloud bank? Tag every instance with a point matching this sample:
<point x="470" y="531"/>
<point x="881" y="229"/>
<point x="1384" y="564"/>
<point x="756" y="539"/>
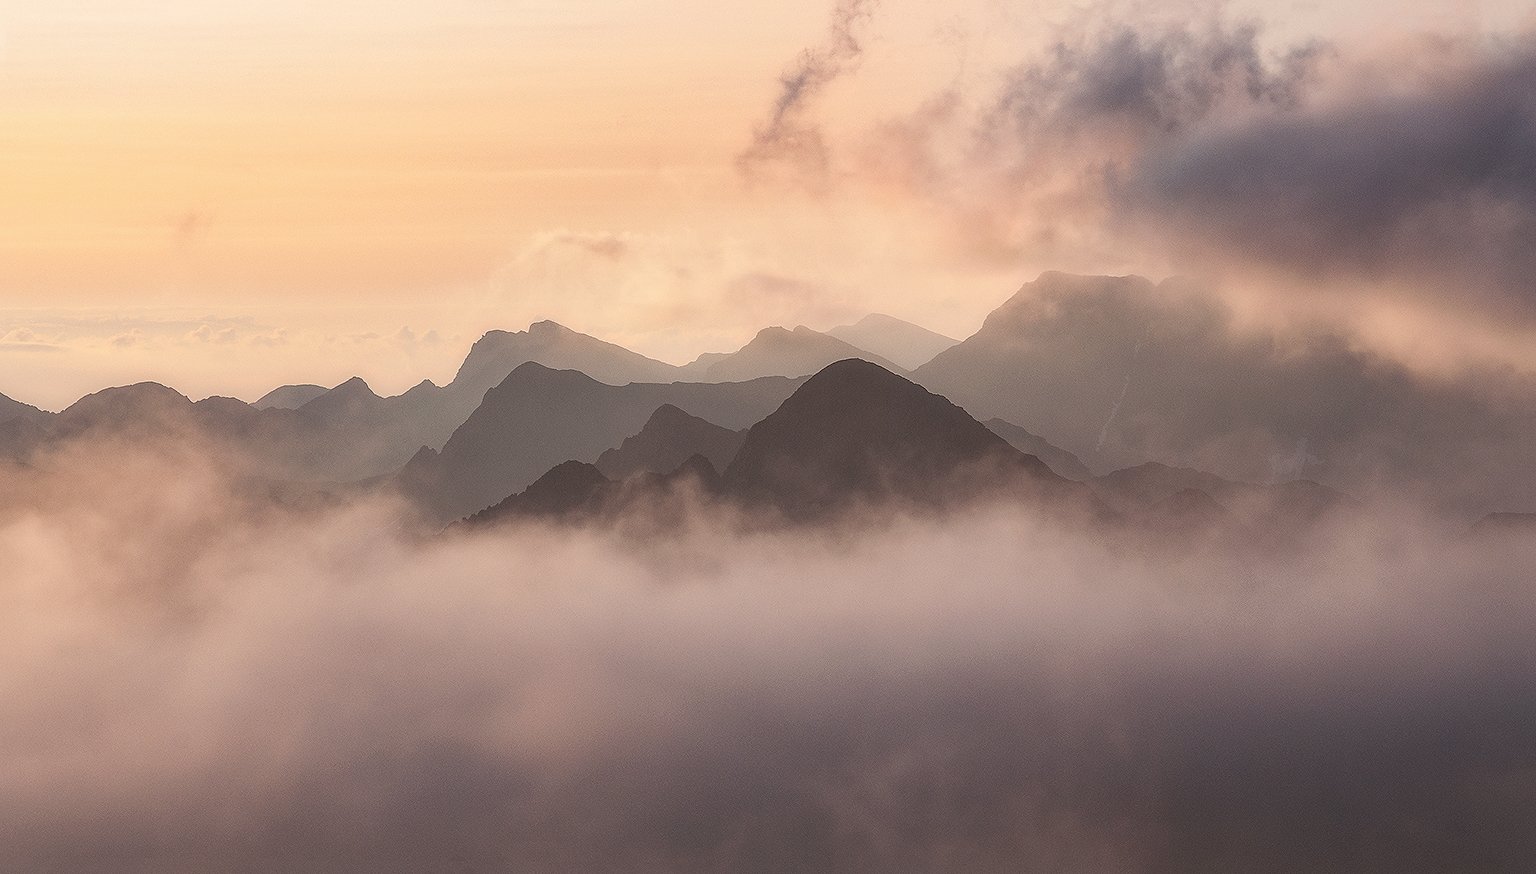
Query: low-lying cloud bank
<point x="196" y="680"/>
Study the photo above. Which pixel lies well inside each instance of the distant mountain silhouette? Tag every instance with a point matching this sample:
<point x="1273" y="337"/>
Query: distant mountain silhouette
<point x="856" y="431"/>
<point x="646" y="502"/>
<point x="780" y="352"/>
<point x="351" y="398"/>
<point x="1173" y="498"/>
<point x="567" y="488"/>
<point x="670" y="438"/>
<point x="538" y="417"/>
<point x="908" y="345"/>
<point x="1060" y="461"/>
<point x="383" y="433"/>
<point x="289" y="397"/>
<point x="555" y="346"/>
<point x="13" y="409"/>
<point x="1121" y="370"/>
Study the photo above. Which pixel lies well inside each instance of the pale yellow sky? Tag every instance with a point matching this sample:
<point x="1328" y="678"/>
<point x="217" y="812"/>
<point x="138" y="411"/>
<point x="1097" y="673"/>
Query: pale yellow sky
<point x="357" y="167"/>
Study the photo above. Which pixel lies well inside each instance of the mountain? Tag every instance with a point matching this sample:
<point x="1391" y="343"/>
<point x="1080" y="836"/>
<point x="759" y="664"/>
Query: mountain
<point x="645" y="505"/>
<point x="856" y="431"/>
<point x="567" y="488"/>
<point x="1060" y="461"/>
<point x="289" y="397"/>
<point x="1119" y="370"/>
<point x="668" y="439"/>
<point x="352" y="398"/>
<point x="1174" y="498"/>
<point x="355" y="434"/>
<point x="538" y="417"/>
<point x="555" y="346"/>
<point x="908" y="345"/>
<point x="780" y="352"/>
<point x="11" y="409"/>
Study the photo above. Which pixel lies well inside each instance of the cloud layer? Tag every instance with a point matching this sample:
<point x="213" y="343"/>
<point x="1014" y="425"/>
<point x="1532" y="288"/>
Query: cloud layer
<point x="194" y="682"/>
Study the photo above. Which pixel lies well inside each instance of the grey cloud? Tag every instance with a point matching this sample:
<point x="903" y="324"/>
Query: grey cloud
<point x="1434" y="186"/>
<point x="1030" y="169"/>
<point x="790" y="146"/>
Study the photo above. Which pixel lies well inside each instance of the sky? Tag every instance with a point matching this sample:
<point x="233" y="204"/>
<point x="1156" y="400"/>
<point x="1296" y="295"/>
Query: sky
<point x="227" y="197"/>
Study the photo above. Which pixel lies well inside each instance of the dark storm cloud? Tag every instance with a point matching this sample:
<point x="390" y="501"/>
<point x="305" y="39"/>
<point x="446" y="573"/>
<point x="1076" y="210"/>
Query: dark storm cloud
<point x="790" y="146"/>
<point x="1434" y="185"/>
<point x="1028" y="170"/>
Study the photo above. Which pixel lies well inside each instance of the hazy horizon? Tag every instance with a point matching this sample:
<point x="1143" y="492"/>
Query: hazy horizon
<point x="230" y="198"/>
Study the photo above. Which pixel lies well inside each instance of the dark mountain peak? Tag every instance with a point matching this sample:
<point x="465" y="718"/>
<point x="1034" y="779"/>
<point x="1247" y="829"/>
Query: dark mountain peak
<point x="569" y="487"/>
<point x="668" y="439"/>
<point x="857" y="429"/>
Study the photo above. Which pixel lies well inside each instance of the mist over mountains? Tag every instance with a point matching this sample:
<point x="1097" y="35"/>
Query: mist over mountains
<point x="1088" y="374"/>
<point x="1056" y="597"/>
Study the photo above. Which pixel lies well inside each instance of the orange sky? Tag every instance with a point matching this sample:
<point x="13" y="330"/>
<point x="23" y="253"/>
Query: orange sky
<point x="325" y="171"/>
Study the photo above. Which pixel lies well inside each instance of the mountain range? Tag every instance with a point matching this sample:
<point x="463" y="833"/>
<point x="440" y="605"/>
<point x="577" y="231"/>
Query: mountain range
<point x="1088" y="375"/>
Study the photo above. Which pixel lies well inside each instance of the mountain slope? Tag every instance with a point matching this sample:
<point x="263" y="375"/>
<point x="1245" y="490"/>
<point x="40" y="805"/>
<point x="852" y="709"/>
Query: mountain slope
<point x="538" y="417"/>
<point x="668" y="439"/>
<point x="1121" y="370"/>
<point x="289" y="397"/>
<point x="906" y="344"/>
<point x="857" y="431"/>
<point x="777" y="351"/>
<point x="1275" y="513"/>
<point x="1060" y="461"/>
<point x="13" y="409"/>
<point x="498" y="353"/>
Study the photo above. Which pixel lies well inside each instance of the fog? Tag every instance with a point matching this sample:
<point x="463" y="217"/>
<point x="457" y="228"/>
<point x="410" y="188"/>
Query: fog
<point x="194" y="678"/>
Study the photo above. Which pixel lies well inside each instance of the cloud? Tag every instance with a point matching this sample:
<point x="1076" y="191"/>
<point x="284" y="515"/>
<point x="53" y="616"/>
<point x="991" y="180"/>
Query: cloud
<point x="1431" y="185"/>
<point x="1028" y="170"/>
<point x="790" y="147"/>
<point x="195" y="679"/>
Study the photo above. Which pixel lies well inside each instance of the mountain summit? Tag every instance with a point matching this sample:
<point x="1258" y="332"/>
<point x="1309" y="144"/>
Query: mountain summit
<point x="855" y="430"/>
<point x="778" y="351"/>
<point x="908" y="345"/>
